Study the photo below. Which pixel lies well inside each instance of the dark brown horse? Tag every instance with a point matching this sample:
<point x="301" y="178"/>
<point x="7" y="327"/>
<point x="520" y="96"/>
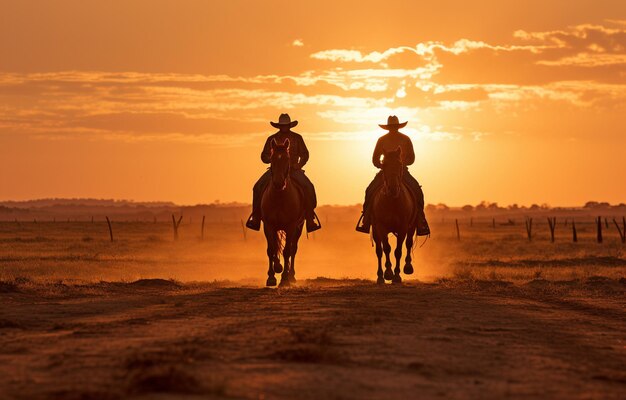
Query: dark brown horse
<point x="393" y="211"/>
<point x="282" y="210"/>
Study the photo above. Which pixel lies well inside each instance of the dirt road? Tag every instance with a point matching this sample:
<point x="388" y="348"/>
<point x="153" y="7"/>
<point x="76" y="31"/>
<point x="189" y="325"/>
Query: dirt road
<point x="321" y="339"/>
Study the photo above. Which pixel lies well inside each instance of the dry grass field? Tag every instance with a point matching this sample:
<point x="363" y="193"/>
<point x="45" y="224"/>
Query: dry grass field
<point x="490" y="316"/>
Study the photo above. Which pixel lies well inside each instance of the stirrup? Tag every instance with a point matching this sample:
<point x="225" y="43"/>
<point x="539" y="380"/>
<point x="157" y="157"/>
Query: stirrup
<point x="362" y="228"/>
<point x="313" y="224"/>
<point x="253" y="224"/>
<point x="423" y="229"/>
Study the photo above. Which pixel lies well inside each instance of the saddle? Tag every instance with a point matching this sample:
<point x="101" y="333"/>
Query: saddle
<point x="312" y="221"/>
<point x="420" y="219"/>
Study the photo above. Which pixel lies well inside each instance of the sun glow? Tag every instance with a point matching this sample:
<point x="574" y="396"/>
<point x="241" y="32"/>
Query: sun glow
<point x="474" y="96"/>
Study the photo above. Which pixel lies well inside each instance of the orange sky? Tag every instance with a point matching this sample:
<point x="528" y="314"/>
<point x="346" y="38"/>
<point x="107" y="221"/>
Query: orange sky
<point x="513" y="102"/>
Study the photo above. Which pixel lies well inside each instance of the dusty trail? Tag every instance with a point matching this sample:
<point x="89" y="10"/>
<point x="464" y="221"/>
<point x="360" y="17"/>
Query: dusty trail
<point x="322" y="339"/>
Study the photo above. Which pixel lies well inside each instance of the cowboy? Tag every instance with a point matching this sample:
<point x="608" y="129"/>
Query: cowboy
<point x="299" y="156"/>
<point x="391" y="141"/>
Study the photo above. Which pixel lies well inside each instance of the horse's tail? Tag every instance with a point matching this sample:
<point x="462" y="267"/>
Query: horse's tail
<point x="281" y="238"/>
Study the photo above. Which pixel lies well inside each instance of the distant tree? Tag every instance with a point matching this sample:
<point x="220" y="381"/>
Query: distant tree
<point x="442" y="207"/>
<point x="493" y="206"/>
<point x="467" y="208"/>
<point x="595" y="204"/>
<point x="513" y="207"/>
<point x="482" y="206"/>
<point x="534" y="207"/>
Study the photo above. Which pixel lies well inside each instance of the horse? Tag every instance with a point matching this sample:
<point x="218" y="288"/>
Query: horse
<point x="282" y="210"/>
<point x="393" y="211"/>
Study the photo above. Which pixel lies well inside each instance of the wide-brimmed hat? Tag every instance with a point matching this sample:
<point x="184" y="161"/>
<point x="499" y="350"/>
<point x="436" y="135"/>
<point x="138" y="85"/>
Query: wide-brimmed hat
<point x="284" y="120"/>
<point x="393" y="122"/>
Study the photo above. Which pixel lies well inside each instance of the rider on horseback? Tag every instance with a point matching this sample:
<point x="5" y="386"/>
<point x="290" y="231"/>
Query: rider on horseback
<point x="299" y="155"/>
<point x="390" y="141"/>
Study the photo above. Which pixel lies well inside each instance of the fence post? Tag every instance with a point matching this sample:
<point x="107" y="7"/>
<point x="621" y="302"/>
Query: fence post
<point x="202" y="229"/>
<point x="599" y="223"/>
<point x="529" y="228"/>
<point x="574" y="235"/>
<point x="493" y="223"/>
<point x="552" y="224"/>
<point x="110" y="229"/>
<point x="243" y="229"/>
<point x="176" y="224"/>
<point x="458" y="232"/>
<point x="622" y="233"/>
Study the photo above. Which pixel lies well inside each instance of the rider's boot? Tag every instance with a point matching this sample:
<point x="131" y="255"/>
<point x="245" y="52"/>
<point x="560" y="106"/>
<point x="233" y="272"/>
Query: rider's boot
<point x="422" y="225"/>
<point x="312" y="222"/>
<point x="254" y="221"/>
<point x="364" y="223"/>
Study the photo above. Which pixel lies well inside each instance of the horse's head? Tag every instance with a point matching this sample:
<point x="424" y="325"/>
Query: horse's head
<point x="392" y="172"/>
<point x="280" y="164"/>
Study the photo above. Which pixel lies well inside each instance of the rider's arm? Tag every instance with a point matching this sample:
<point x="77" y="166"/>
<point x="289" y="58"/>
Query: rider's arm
<point x="266" y="154"/>
<point x="304" y="153"/>
<point x="378" y="152"/>
<point x="409" y="156"/>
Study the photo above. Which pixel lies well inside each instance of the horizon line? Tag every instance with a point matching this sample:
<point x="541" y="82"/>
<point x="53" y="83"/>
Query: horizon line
<point x="239" y="203"/>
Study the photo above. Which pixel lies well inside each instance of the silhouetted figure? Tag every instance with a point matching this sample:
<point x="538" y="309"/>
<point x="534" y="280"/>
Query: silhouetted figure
<point x="299" y="155"/>
<point x="282" y="209"/>
<point x="394" y="210"/>
<point x="390" y="142"/>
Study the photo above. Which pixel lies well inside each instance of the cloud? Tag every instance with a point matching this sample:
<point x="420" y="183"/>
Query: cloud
<point x="581" y="45"/>
<point x="587" y="60"/>
<point x="356" y="56"/>
<point x="458" y="89"/>
<point x="297" y="43"/>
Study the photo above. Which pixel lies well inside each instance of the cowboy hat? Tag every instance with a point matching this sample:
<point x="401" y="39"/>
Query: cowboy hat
<point x="393" y="122"/>
<point x="284" y="120"/>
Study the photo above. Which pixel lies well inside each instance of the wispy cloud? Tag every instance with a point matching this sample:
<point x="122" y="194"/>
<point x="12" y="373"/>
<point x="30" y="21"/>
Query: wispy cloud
<point x="583" y="66"/>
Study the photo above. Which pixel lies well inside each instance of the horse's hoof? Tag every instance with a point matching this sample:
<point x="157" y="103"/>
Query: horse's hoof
<point x="271" y="281"/>
<point x="388" y="274"/>
<point x="380" y="281"/>
<point x="278" y="268"/>
<point x="408" y="269"/>
<point x="396" y="279"/>
<point x="284" y="282"/>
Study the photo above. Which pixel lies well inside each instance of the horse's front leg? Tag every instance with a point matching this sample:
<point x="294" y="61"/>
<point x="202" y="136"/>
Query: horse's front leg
<point x="271" y="237"/>
<point x="387" y="250"/>
<point x="408" y="267"/>
<point x="398" y="253"/>
<point x="294" y="250"/>
<point x="379" y="255"/>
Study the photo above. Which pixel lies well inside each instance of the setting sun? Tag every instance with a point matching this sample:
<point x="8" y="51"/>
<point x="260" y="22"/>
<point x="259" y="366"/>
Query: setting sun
<point x="322" y="199"/>
<point x="150" y="110"/>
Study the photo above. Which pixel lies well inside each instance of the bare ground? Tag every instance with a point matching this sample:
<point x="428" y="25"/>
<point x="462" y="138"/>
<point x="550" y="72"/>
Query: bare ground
<point x="321" y="339"/>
